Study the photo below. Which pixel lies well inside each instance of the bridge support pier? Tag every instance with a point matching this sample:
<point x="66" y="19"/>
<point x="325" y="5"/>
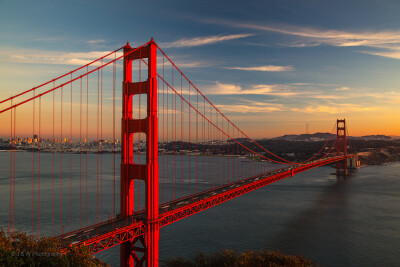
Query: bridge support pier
<point x="141" y="251"/>
<point x="341" y="147"/>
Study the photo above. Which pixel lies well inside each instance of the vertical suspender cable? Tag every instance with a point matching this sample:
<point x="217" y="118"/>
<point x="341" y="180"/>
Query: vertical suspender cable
<point x="168" y="177"/>
<point x="204" y="143"/>
<point x="80" y="157"/>
<point x="86" y="145"/>
<point x="39" y="147"/>
<point x="181" y="141"/>
<point x="113" y="193"/>
<point x="70" y="164"/>
<point x="101" y="144"/>
<point x="33" y="160"/>
<point x="52" y="174"/>
<point x="15" y="140"/>
<point x="163" y="131"/>
<point x="11" y="170"/>
<point x="140" y="111"/>
<point x="197" y="143"/>
<point x="61" y="151"/>
<point x="97" y="154"/>
<point x="190" y="145"/>
<point x="163" y="137"/>
<point x="175" y="140"/>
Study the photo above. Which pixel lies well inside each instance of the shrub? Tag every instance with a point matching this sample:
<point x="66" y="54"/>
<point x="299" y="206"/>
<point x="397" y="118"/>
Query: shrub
<point x="21" y="249"/>
<point x="230" y="258"/>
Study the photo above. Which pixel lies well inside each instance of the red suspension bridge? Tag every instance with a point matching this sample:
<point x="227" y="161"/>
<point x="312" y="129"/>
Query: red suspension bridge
<point x="179" y="154"/>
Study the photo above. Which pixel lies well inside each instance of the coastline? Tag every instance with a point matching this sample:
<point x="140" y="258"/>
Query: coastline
<point x="379" y="156"/>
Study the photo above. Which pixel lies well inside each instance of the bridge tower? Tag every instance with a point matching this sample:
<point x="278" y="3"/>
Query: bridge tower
<point x="341" y="147"/>
<point x="142" y="251"/>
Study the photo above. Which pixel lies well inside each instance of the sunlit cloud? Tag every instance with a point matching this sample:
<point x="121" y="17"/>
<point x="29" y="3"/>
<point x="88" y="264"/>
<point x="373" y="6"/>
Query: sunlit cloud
<point x="182" y="61"/>
<point x="326" y="96"/>
<point x="334" y="108"/>
<point x="343" y="88"/>
<point x="332" y="37"/>
<point x="391" y="53"/>
<point x="258" y="89"/>
<point x="189" y="63"/>
<point x="387" y="41"/>
<point x="264" y="68"/>
<point x="206" y="40"/>
<point x="52" y="57"/>
<point x="251" y="107"/>
<point x="386" y="97"/>
<point x="95" y="41"/>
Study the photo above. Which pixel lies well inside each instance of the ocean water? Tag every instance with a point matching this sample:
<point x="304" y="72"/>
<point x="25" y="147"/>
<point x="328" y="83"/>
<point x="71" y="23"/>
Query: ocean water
<point x="351" y="222"/>
<point x="347" y="222"/>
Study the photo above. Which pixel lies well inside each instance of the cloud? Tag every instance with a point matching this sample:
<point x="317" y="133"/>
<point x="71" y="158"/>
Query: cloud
<point x="192" y="64"/>
<point x="332" y="37"/>
<point x="344" y="88"/>
<point x="264" y="68"/>
<point x="52" y="57"/>
<point x="258" y="89"/>
<point x="186" y="63"/>
<point x="386" y="41"/>
<point x="198" y="41"/>
<point x="96" y="41"/>
<point x="391" y="53"/>
<point x="241" y="108"/>
<point x="334" y="108"/>
<point x="248" y="106"/>
<point x="314" y="84"/>
<point x="325" y="96"/>
<point x="385" y="97"/>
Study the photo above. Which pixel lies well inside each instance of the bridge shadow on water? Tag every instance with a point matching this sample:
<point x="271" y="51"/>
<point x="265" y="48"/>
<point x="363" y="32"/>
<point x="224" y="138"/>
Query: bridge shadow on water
<point x="321" y="231"/>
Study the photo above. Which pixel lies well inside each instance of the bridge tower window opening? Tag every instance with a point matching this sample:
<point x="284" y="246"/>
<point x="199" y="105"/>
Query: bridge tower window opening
<point x="138" y="102"/>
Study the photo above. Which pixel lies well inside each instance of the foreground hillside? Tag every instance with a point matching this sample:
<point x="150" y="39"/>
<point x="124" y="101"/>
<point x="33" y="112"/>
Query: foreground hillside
<point x="245" y="259"/>
<point x="21" y="249"/>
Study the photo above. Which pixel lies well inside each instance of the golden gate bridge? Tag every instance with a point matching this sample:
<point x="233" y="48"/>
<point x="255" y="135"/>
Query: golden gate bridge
<point x="179" y="154"/>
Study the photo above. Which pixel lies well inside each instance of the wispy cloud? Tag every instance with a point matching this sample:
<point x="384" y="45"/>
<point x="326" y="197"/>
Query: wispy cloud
<point x="343" y="88"/>
<point x="241" y="108"/>
<point x="186" y="63"/>
<point x="333" y="37"/>
<point x="258" y="89"/>
<point x="389" y="53"/>
<point x="206" y="40"/>
<point x="334" y="108"/>
<point x="96" y="41"/>
<point x="248" y="106"/>
<point x="386" y="41"/>
<point x="264" y="68"/>
<point x="392" y="97"/>
<point x="326" y="96"/>
<point x="51" y="57"/>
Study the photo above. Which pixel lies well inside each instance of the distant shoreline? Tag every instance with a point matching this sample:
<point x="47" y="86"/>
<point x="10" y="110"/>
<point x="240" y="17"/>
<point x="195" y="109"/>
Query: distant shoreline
<point x="379" y="156"/>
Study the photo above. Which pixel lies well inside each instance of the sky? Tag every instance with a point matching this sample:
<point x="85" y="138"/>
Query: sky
<point x="271" y="66"/>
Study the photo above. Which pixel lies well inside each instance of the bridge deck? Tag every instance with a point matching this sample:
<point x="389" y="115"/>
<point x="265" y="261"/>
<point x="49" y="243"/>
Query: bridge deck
<point x="116" y="231"/>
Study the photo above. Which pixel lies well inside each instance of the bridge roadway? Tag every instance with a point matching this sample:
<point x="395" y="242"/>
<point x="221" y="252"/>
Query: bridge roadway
<point x="116" y="231"/>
